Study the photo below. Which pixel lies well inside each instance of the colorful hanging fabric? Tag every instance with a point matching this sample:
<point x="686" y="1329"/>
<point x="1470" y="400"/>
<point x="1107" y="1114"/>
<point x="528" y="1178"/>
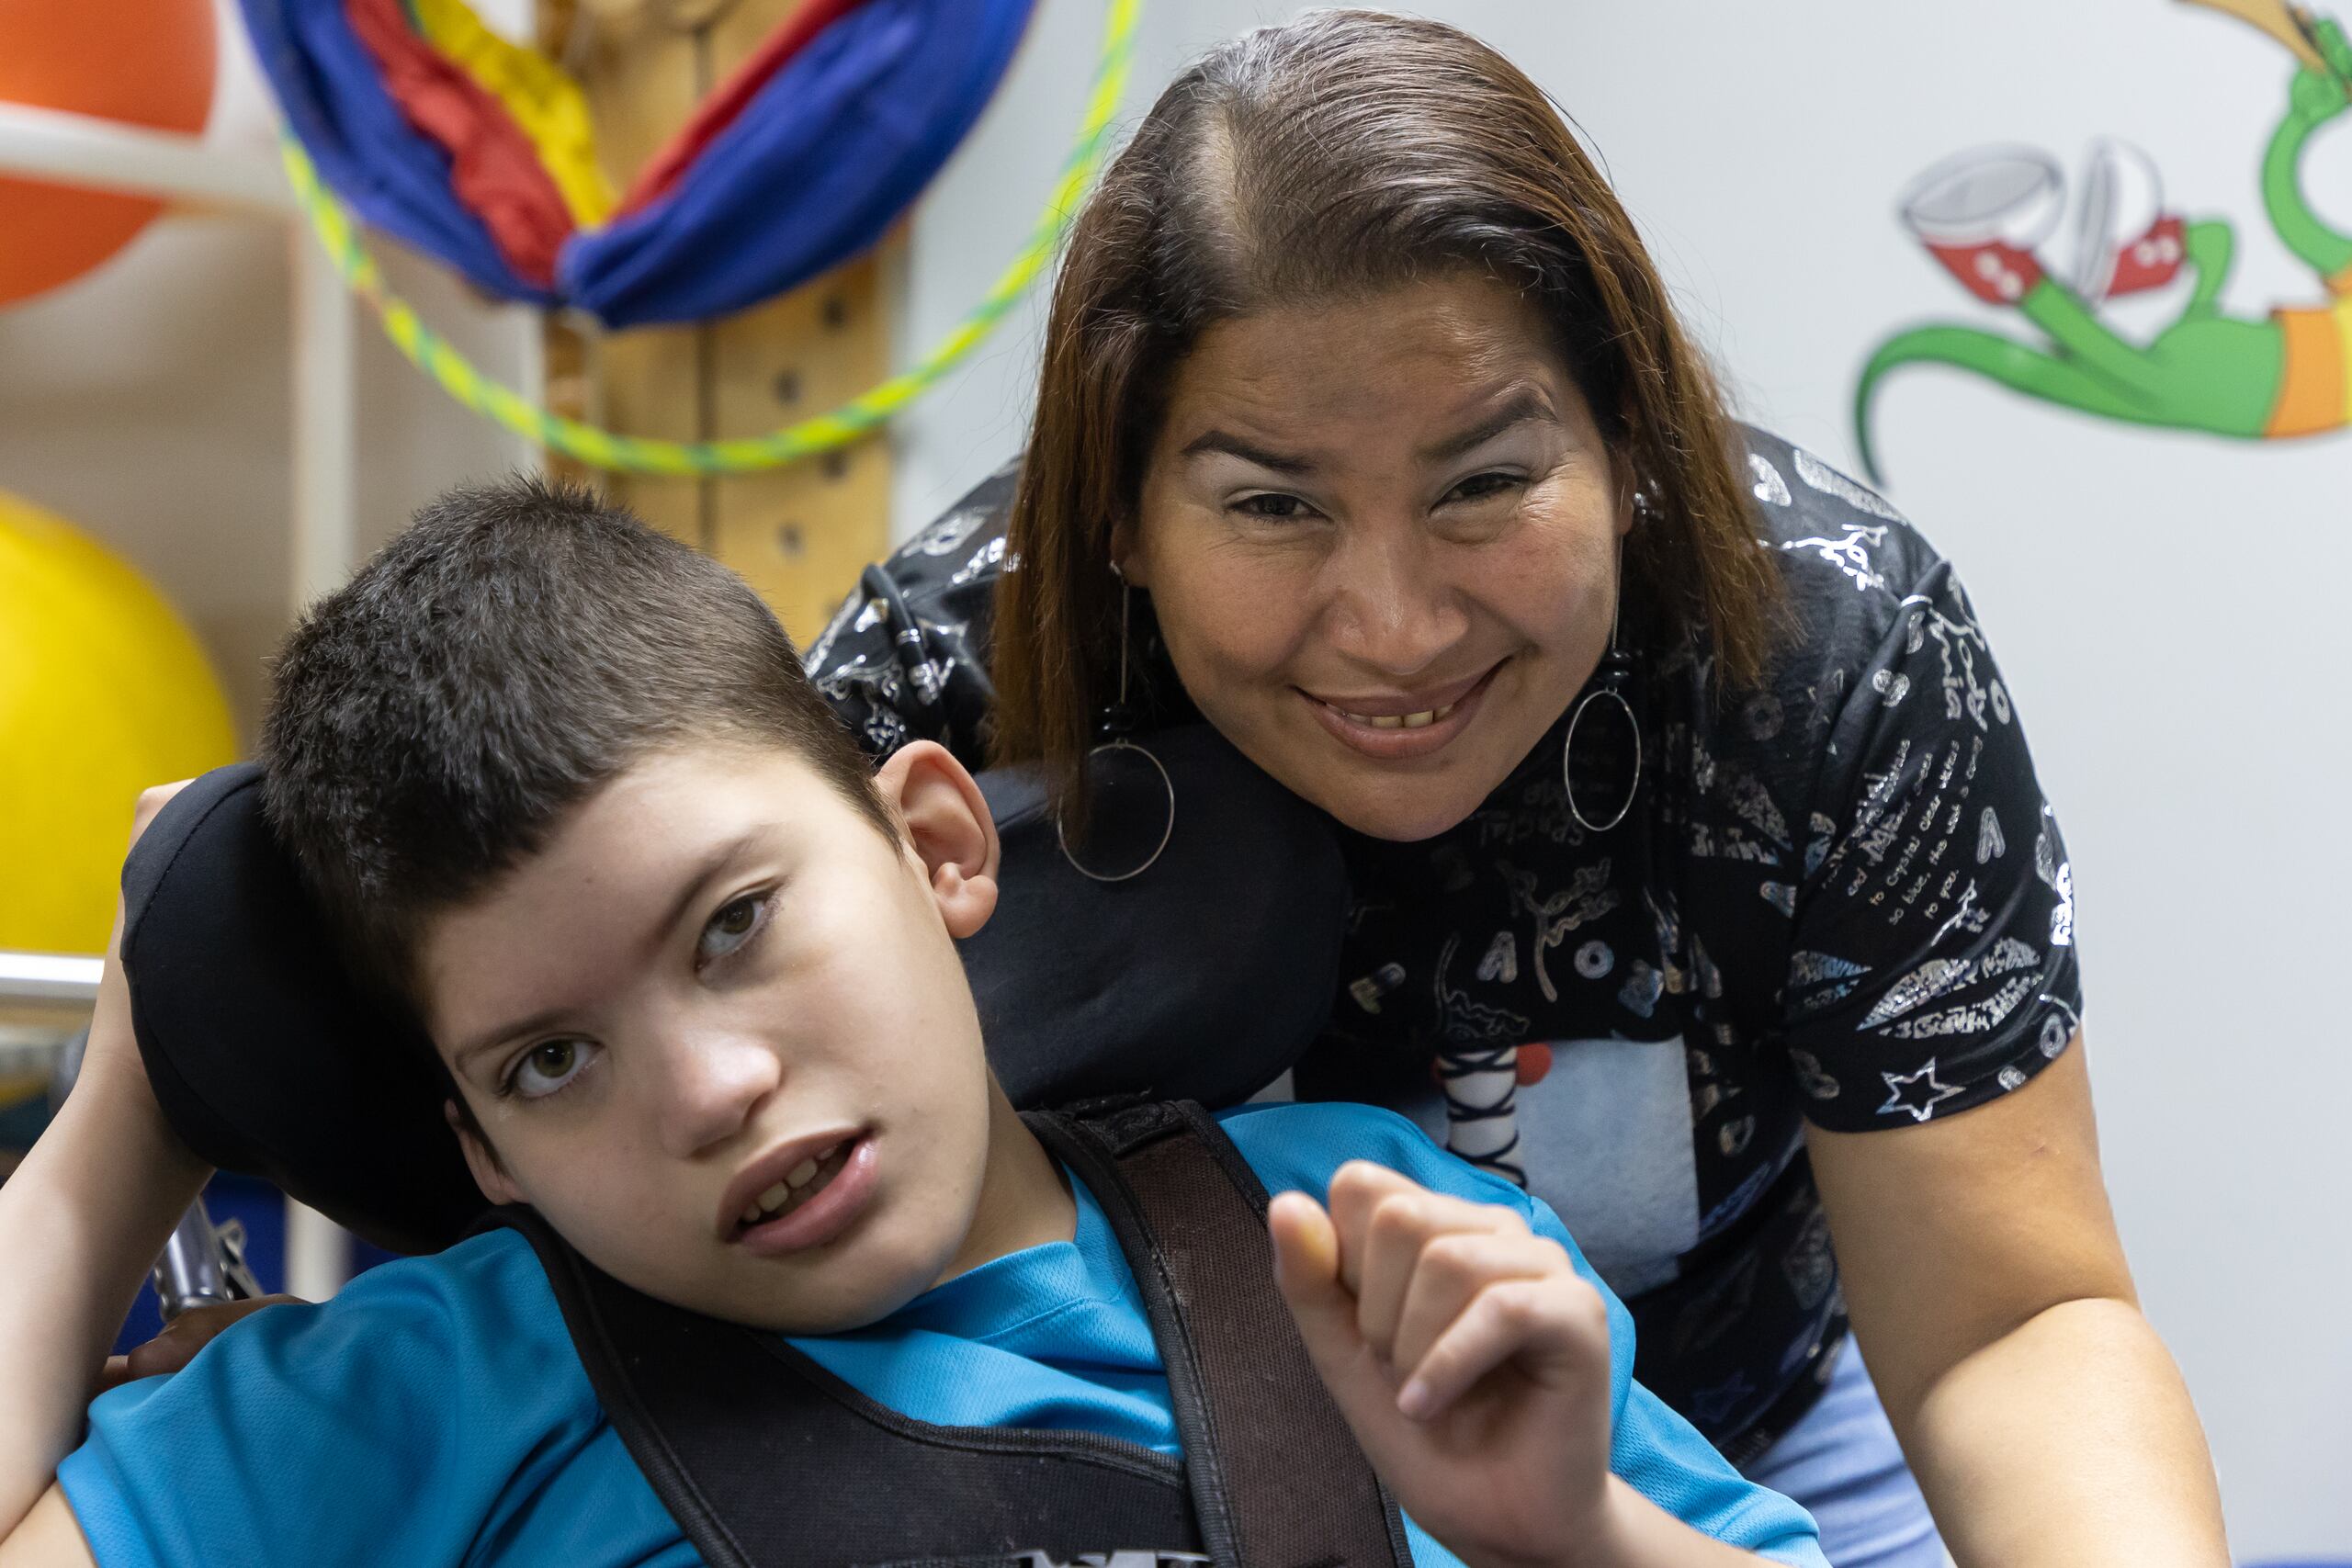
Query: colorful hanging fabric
<point x="336" y="106"/>
<point x="478" y="151"/>
<point x="495" y="172"/>
<point x="546" y="102"/>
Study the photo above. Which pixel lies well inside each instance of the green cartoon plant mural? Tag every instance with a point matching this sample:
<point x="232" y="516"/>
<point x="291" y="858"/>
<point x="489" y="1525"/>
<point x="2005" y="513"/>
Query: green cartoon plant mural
<point x="1984" y="214"/>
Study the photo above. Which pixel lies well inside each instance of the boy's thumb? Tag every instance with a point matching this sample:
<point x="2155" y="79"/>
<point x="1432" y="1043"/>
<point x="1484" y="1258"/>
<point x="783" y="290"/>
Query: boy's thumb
<point x="1307" y="1268"/>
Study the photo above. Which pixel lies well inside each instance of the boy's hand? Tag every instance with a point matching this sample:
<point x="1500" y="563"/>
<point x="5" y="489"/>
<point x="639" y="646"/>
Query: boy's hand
<point x="1468" y="1356"/>
<point x="111" y="1058"/>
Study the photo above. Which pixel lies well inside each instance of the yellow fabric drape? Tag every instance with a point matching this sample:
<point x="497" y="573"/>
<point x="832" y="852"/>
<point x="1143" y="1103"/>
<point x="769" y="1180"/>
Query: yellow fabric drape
<point x="544" y="101"/>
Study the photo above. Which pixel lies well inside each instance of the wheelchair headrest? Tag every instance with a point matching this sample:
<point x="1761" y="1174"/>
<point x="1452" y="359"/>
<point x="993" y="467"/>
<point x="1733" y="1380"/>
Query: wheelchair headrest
<point x="1203" y="978"/>
<point x="264" y="1055"/>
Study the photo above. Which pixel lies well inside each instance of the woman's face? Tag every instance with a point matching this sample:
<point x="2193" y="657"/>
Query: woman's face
<point x="1381" y="537"/>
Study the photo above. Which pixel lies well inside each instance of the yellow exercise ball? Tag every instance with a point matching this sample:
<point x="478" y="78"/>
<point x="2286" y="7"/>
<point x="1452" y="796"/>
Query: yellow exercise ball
<point x="103" y="692"/>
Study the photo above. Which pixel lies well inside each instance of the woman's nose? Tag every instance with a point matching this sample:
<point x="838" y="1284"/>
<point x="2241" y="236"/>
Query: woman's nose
<point x="711" y="1083"/>
<point x="1396" y="609"/>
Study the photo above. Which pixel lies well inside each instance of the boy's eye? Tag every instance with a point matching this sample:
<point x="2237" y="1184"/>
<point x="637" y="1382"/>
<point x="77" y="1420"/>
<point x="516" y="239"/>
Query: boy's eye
<point x="549" y="1065"/>
<point x="735" y="924"/>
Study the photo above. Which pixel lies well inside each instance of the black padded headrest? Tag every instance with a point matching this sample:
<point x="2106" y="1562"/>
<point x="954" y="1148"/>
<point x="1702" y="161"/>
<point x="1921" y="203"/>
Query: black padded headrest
<point x="265" y="1056"/>
<point x="1203" y="978"/>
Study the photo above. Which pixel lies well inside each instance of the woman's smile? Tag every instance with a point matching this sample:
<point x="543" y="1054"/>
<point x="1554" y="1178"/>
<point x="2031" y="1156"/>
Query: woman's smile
<point x="1398" y="726"/>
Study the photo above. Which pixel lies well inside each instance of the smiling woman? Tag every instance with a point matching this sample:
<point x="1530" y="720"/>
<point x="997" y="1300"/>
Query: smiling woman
<point x="1363" y="406"/>
<point x="1296" y="505"/>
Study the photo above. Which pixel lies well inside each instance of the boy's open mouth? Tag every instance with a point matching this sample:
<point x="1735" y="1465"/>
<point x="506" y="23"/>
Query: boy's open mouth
<point x="800" y="1184"/>
<point x="808" y="1201"/>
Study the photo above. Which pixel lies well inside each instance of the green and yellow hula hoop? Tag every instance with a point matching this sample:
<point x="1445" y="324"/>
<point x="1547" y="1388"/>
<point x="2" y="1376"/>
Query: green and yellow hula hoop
<point x="493" y="400"/>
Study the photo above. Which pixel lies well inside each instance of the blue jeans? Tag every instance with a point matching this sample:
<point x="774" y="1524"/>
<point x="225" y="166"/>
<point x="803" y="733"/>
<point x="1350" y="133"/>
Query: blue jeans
<point x="1842" y="1463"/>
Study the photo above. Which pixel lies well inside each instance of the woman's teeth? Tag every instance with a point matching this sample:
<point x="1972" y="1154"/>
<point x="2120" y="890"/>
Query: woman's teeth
<point x="794" y="1186"/>
<point x="1400" y="720"/>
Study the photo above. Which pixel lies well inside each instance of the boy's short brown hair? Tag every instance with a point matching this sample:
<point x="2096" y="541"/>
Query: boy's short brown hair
<point x="518" y="646"/>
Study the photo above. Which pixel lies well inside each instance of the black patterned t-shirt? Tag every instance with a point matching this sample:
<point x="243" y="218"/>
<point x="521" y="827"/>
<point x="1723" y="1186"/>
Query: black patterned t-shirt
<point x="1840" y="898"/>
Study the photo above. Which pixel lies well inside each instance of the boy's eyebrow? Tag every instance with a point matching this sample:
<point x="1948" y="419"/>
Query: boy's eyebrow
<point x="708" y="871"/>
<point x="713" y="863"/>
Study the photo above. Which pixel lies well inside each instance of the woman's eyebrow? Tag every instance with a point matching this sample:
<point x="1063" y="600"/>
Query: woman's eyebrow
<point x="1527" y="404"/>
<point x="1234" y="446"/>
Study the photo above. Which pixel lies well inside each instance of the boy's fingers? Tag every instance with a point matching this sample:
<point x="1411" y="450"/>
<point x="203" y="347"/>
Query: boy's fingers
<point x="150" y="801"/>
<point x="1359" y="1188"/>
<point x="1557" y="1330"/>
<point x="1383" y="1229"/>
<point x="1452" y="1270"/>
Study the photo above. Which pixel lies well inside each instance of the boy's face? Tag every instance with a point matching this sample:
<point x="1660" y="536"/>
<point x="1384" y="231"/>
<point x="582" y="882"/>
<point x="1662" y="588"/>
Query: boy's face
<point x="717" y="1032"/>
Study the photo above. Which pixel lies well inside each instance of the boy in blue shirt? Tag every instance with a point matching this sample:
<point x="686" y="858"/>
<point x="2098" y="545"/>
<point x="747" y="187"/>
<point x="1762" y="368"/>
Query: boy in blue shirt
<point x="560" y="788"/>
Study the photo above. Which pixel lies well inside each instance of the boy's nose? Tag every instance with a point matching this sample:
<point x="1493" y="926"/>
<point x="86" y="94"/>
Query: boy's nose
<point x="712" y="1083"/>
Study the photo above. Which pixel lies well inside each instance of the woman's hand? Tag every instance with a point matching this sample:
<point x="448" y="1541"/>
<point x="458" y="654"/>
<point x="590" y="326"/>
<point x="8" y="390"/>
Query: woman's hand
<point x="1468" y="1356"/>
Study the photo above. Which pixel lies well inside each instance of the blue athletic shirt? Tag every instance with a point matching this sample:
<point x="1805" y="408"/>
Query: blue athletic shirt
<point x="434" y="1411"/>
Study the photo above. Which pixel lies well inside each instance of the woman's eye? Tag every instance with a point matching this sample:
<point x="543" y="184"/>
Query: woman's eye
<point x="1273" y="506"/>
<point x="1478" y="487"/>
<point x="549" y="1065"/>
<point x="730" y="927"/>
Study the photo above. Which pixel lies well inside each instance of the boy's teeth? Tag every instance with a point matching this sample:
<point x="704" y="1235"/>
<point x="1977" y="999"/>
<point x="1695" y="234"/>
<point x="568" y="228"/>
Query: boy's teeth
<point x="792" y="1188"/>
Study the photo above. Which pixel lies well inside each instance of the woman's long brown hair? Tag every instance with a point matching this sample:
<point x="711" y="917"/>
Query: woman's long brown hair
<point x="1334" y="157"/>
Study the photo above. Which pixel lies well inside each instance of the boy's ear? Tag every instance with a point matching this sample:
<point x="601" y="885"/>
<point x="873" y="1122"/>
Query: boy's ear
<point x="490" y="1174"/>
<point x="949" y="828"/>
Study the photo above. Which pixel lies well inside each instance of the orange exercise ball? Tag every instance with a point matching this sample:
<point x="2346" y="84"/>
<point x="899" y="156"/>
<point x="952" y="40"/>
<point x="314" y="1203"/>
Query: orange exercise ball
<point x="146" y="62"/>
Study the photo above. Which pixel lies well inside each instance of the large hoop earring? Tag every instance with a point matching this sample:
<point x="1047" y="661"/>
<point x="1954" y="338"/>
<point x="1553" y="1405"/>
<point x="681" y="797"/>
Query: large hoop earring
<point x="1132" y="799"/>
<point x="1616" y="676"/>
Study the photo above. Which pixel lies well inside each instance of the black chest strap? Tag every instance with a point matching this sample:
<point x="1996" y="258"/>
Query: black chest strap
<point x="1276" y="1476"/>
<point x="768" y="1461"/>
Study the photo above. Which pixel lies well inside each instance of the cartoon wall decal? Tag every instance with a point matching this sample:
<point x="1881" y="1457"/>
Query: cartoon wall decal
<point x="1987" y="214"/>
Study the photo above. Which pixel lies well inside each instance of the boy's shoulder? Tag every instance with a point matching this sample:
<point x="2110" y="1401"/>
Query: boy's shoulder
<point x="477" y="1321"/>
<point x="1300" y="1144"/>
<point x="487" y="1291"/>
<point x="438" y="1399"/>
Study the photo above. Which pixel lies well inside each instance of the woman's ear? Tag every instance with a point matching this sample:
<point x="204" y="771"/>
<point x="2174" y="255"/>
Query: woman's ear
<point x="948" y="827"/>
<point x="1126" y="556"/>
<point x="489" y="1171"/>
<point x="1628" y="484"/>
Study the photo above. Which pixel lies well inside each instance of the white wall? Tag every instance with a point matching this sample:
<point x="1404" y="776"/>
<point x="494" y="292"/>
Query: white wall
<point x="2165" y="605"/>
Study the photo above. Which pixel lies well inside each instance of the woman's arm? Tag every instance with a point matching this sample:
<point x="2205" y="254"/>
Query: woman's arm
<point x="2044" y="1419"/>
<point x="80" y="1222"/>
